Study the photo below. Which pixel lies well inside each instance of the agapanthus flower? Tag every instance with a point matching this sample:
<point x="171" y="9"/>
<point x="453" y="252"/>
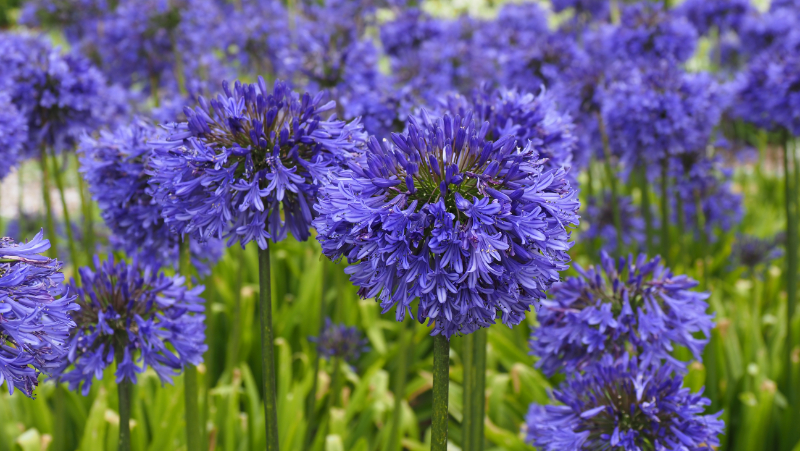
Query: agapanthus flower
<point x="114" y="166"/>
<point x="27" y="224"/>
<point x="752" y="252"/>
<point x="34" y="314"/>
<point x="624" y="407"/>
<point x="648" y="34"/>
<point x="599" y="217"/>
<point x="78" y="19"/>
<point x="704" y="182"/>
<point x="722" y="15"/>
<point x="255" y="32"/>
<point x="166" y="47"/>
<point x="767" y="93"/>
<point x="626" y="305"/>
<point x="13" y="132"/>
<point x="469" y="226"/>
<point x="431" y="56"/>
<point x="61" y="96"/>
<point x="248" y="165"/>
<point x="651" y="114"/>
<point x="525" y="116"/>
<point x="135" y="317"/>
<point x="340" y="341"/>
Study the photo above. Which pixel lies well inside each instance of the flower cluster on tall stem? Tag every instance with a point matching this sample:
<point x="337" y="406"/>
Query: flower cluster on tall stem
<point x="473" y="228"/>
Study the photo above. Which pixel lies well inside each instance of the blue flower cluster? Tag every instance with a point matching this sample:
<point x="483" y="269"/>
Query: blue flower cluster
<point x="248" y="165"/>
<point x="612" y="331"/>
<point x="630" y="305"/>
<point x="752" y="252"/>
<point x="530" y="119"/>
<point x="338" y="340"/>
<point x="61" y="96"/>
<point x="722" y="15"/>
<point x="627" y="407"/>
<point x="13" y="132"/>
<point x="703" y="182"/>
<point x="471" y="227"/>
<point x="135" y="317"/>
<point x="647" y="34"/>
<point x="599" y="219"/>
<point x="34" y="314"/>
<point x="114" y="166"/>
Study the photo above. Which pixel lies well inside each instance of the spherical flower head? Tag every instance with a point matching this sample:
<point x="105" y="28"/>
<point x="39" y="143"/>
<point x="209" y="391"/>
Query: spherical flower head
<point x="620" y="305"/>
<point x="722" y="15"/>
<point x="138" y="318"/>
<point x="624" y="407"/>
<point x="647" y="34"/>
<point x="654" y="113"/>
<point x="247" y="165"/>
<point x="599" y="216"/>
<point x="704" y="183"/>
<point x="34" y="314"/>
<point x="61" y="96"/>
<point x="529" y="118"/>
<point x="114" y="166"/>
<point x="469" y="226"/>
<point x="340" y="341"/>
<point x="255" y="34"/>
<point x="13" y="132"/>
<point x="78" y="19"/>
<point x="595" y="9"/>
<point x="753" y="252"/>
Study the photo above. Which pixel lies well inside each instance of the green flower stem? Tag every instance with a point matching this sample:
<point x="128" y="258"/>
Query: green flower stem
<point x="479" y="388"/>
<point x="194" y="437"/>
<point x="612" y="182"/>
<point x="267" y="350"/>
<point x="124" y="389"/>
<point x="468" y="363"/>
<point x="791" y="270"/>
<point x="400" y="386"/>
<point x="311" y="402"/>
<point x="702" y="245"/>
<point x="441" y="387"/>
<point x="88" y="219"/>
<point x="231" y="360"/>
<point x="73" y="250"/>
<point x="48" y="204"/>
<point x="665" y="212"/>
<point x="336" y="383"/>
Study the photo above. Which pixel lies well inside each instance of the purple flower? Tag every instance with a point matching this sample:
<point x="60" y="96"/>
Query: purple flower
<point x="61" y="96"/>
<point x="634" y="302"/>
<point x="649" y="34"/>
<point x="624" y="407"/>
<point x="704" y="182"/>
<point x="13" y="132"/>
<point x="752" y="252"/>
<point x="78" y="19"/>
<point x="338" y="340"/>
<point x="114" y="167"/>
<point x="594" y="9"/>
<point x="255" y="33"/>
<point x="599" y="217"/>
<point x="659" y="112"/>
<point x="136" y="316"/>
<point x="34" y="314"/>
<point x="529" y="118"/>
<point x="247" y="165"/>
<point x="723" y="15"/>
<point x="469" y="226"/>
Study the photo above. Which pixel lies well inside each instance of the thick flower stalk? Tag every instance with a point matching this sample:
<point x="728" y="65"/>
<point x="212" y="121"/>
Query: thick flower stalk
<point x="470" y="227"/>
<point x="137" y="317"/>
<point x="247" y="165"/>
<point x="61" y="96"/>
<point x="625" y="407"/>
<point x="114" y="166"/>
<point x="527" y="117"/>
<point x="35" y="308"/>
<point x="340" y="341"/>
<point x="625" y="305"/>
<point x="13" y="133"/>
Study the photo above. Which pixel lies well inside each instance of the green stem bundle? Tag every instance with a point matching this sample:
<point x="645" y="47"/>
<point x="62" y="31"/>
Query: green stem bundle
<point x="612" y="182"/>
<point x="441" y="387"/>
<point x="665" y="212"/>
<point x="48" y="205"/>
<point x="791" y="270"/>
<point x="648" y="215"/>
<point x="267" y="350"/>
<point x="311" y="402"/>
